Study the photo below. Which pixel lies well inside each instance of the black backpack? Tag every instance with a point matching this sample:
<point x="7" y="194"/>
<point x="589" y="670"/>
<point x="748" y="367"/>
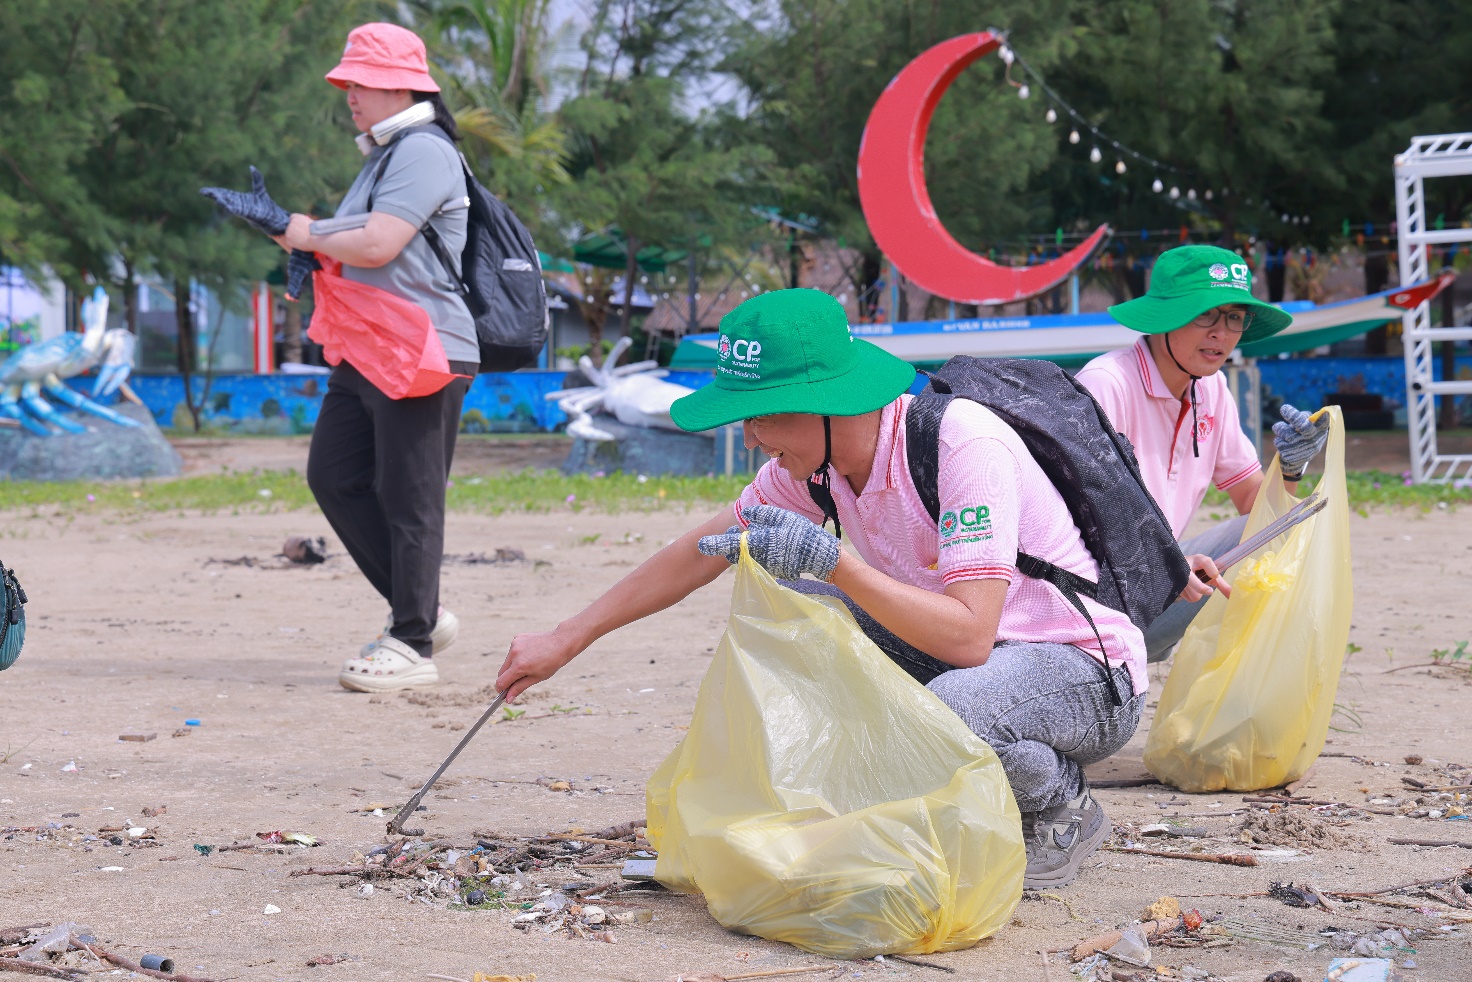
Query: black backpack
<point x="1141" y="568"/>
<point x="500" y="274"/>
<point x="12" y="618"/>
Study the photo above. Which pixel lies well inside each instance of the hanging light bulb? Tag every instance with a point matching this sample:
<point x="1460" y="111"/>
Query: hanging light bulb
<point x="1119" y="167"/>
<point x="1051" y="115"/>
<point x="1005" y="53"/>
<point x="1207" y="194"/>
<point x="1175" y="192"/>
<point x="1157" y="186"/>
<point x="1285" y="218"/>
<point x="1023" y="91"/>
<point x="1095" y="156"/>
<point x="1191" y="194"/>
<point x="1073" y="137"/>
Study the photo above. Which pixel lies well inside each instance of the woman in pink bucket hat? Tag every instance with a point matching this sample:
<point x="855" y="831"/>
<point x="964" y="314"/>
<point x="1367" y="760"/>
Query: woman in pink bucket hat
<point x="382" y="444"/>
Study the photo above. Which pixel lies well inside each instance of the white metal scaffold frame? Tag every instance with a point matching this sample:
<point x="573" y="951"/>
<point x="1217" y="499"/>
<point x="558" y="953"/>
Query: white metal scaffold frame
<point x="1446" y="155"/>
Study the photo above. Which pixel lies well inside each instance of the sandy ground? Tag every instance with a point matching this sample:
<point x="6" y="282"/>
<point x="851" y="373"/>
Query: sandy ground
<point x="136" y="627"/>
<point x="473" y="454"/>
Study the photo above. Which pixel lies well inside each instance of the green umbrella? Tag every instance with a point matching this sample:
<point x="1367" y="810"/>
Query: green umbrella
<point x="551" y="265"/>
<point x="608" y="250"/>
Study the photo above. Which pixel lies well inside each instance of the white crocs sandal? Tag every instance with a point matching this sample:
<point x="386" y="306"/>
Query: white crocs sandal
<point x="389" y="666"/>
<point x="446" y="628"/>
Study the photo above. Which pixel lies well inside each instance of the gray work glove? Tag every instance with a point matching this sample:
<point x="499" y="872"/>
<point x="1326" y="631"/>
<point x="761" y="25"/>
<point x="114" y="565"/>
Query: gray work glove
<point x="255" y="206"/>
<point x="1299" y="440"/>
<point x="299" y="266"/>
<point x="784" y="543"/>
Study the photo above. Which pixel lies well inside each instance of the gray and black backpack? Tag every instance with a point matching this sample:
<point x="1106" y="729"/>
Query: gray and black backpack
<point x="1141" y="568"/>
<point x="499" y="274"/>
<point x="12" y="618"/>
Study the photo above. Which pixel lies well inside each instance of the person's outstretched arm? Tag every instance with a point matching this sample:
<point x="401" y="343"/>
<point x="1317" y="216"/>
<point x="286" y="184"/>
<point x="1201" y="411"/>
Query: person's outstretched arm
<point x="663" y="580"/>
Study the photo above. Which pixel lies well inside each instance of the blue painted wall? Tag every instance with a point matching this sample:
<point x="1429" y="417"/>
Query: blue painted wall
<point x="514" y="402"/>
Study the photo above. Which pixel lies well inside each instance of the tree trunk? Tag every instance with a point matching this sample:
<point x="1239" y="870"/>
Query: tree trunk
<point x="291" y="333"/>
<point x="188" y="350"/>
<point x="631" y="270"/>
<point x="130" y="298"/>
<point x="1377" y="273"/>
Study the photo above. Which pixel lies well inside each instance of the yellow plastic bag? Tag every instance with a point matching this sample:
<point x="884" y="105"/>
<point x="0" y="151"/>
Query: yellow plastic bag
<point x="1248" y="700"/>
<point x="824" y="798"/>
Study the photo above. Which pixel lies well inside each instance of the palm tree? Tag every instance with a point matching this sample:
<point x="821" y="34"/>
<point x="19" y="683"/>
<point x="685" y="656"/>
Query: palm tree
<point x="492" y="52"/>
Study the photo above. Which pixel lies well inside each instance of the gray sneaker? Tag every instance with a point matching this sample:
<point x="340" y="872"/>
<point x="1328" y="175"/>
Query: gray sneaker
<point x="1059" y="839"/>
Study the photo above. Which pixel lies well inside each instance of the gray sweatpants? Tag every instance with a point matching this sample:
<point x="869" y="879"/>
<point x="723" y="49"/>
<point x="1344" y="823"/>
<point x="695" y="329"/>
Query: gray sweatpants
<point x="1166" y="631"/>
<point x="1044" y="708"/>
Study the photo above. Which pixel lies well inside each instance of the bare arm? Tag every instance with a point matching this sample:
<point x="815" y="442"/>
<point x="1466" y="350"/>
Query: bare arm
<point x="958" y="627"/>
<point x="375" y="244"/>
<point x="1244" y="492"/>
<point x="663" y="580"/>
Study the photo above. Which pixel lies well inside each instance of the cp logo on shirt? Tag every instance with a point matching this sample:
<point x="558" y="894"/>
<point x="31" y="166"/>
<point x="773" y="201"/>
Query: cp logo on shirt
<point x="973" y="517"/>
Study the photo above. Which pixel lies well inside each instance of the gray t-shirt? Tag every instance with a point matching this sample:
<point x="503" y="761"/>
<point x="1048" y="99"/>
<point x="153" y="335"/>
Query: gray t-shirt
<point x="423" y="174"/>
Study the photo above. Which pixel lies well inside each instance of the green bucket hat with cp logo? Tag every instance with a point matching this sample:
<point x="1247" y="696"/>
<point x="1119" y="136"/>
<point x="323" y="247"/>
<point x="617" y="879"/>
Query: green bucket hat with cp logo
<point x="1189" y="281"/>
<point x="790" y="351"/>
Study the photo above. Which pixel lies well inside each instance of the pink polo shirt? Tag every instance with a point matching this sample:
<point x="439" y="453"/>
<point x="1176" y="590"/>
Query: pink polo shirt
<point x="994" y="501"/>
<point x="1129" y="386"/>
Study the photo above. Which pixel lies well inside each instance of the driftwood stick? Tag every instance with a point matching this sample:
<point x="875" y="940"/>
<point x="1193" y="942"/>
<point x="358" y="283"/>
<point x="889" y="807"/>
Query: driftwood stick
<point x="1429" y="842"/>
<point x="1424" y="664"/>
<point x="621" y="830"/>
<point x="1347" y="894"/>
<point x="580" y="838"/>
<point x="13" y="935"/>
<point x="774" y="972"/>
<point x="102" y="954"/>
<point x="939" y="968"/>
<point x="33" y="968"/>
<point x="1224" y="859"/>
<point x="1107" y="940"/>
<point x="1292" y="786"/>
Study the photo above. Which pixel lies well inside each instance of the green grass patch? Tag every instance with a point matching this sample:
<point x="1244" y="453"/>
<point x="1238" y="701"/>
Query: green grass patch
<point x="1376" y="489"/>
<point x="538" y="491"/>
<point x="232" y="492"/>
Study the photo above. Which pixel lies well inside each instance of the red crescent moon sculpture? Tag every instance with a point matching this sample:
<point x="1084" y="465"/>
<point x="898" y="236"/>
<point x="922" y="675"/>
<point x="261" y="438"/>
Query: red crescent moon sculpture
<point x="897" y="204"/>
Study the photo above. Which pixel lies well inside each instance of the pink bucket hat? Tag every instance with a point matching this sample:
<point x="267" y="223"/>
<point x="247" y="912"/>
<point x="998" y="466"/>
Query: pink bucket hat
<point x="383" y="56"/>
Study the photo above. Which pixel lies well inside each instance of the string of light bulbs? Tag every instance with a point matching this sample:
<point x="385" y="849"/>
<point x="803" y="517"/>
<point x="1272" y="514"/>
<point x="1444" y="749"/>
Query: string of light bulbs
<point x="1009" y="56"/>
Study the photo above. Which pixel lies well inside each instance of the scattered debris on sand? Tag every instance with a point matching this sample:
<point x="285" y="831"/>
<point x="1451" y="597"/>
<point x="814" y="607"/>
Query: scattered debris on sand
<point x="1295" y="830"/>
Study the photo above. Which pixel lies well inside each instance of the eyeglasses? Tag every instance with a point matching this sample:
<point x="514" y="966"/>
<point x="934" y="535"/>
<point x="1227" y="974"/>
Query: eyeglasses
<point x="1238" y="321"/>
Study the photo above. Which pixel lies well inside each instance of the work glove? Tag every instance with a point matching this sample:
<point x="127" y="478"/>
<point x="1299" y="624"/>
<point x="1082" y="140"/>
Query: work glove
<point x="299" y="265"/>
<point x="1299" y="440"/>
<point x="784" y="543"/>
<point x="255" y="207"/>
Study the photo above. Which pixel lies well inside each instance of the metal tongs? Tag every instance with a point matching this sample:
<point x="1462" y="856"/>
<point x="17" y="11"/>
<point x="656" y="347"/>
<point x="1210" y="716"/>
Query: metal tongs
<point x="1301" y="512"/>
<point x="396" y="826"/>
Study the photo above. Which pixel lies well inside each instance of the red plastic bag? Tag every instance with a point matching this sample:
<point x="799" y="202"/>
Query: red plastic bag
<point x="388" y="339"/>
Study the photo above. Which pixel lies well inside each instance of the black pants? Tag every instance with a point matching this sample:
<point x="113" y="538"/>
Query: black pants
<point x="378" y="469"/>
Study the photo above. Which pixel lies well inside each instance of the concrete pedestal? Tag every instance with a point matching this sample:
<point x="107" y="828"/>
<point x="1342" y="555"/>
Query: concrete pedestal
<point x="106" y="450"/>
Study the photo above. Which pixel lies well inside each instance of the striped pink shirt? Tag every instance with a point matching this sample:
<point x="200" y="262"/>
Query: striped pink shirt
<point x="994" y="501"/>
<point x="1129" y="386"/>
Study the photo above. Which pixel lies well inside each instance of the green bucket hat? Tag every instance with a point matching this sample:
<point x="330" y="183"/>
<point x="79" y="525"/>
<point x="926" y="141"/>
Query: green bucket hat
<point x="1190" y="280"/>
<point x="790" y="351"/>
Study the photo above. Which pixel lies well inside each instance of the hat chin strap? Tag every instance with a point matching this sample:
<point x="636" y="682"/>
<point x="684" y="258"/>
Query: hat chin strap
<point x="822" y="478"/>
<point x="1195" y="449"/>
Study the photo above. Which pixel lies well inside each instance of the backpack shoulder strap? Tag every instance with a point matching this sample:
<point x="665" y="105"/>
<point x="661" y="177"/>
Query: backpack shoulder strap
<point x="922" y="452"/>
<point x="436" y="244"/>
<point x="922" y="443"/>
